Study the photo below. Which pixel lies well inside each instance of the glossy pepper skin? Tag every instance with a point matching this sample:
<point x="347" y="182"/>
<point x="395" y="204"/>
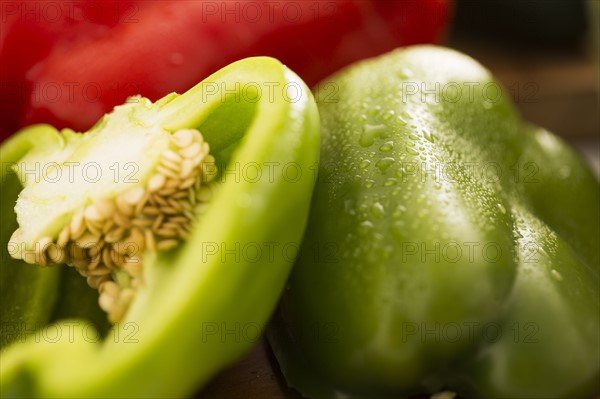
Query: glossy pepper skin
<point x="171" y="340"/>
<point x="450" y="245"/>
<point x="85" y="57"/>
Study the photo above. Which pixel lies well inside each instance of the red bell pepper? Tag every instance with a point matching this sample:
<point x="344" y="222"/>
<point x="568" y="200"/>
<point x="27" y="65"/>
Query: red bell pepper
<point x="68" y="62"/>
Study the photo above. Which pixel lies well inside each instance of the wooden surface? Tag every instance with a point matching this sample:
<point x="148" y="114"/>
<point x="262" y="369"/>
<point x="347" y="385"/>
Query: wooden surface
<point x="255" y="376"/>
<point x="557" y="90"/>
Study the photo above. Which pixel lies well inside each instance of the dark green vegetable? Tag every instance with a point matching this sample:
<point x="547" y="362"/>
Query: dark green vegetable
<point x="449" y="246"/>
<point x="178" y="295"/>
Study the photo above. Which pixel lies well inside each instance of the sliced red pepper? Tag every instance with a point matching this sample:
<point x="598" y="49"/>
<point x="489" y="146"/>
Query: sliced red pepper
<point x="68" y="63"/>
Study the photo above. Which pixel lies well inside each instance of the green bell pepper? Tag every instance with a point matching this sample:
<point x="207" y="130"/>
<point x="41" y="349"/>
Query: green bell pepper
<point x="450" y="245"/>
<point x="201" y="301"/>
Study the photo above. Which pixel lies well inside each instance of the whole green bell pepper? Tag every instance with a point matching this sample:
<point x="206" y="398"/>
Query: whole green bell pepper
<point x="200" y="305"/>
<point x="449" y="246"/>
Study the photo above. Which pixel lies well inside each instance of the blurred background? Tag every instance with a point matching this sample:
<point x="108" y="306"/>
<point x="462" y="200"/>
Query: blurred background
<point x="546" y="54"/>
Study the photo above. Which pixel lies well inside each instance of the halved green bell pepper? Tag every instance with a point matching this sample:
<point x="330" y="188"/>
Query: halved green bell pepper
<point x="202" y="304"/>
<point x="450" y="245"/>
